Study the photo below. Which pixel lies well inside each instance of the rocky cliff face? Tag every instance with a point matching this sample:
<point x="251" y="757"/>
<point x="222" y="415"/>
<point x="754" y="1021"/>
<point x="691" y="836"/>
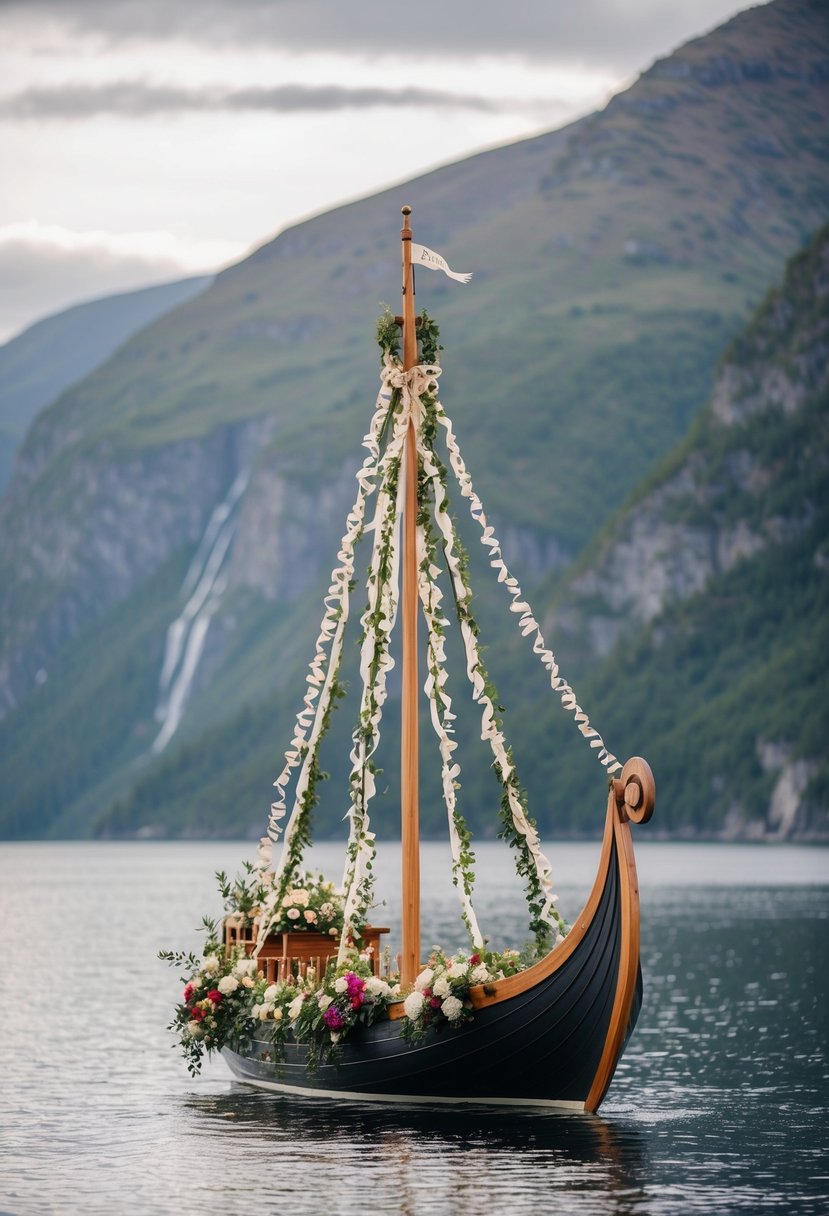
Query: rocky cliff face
<point x="726" y="496"/>
<point x="747" y="491"/>
<point x="84" y="541"/>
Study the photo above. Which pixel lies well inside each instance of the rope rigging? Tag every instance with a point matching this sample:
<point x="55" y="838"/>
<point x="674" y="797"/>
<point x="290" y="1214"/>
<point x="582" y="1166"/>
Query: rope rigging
<point x="406" y="396"/>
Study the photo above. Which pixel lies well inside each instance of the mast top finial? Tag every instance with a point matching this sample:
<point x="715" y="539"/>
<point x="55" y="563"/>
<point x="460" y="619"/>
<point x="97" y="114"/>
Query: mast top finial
<point x="406" y="210"/>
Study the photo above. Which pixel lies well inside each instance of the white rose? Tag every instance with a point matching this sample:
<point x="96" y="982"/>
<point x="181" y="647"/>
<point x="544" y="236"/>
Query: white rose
<point x="424" y="979"/>
<point x="310" y="915"/>
<point x="227" y="984"/>
<point x="211" y="965"/>
<point x="295" y="1007"/>
<point x="333" y="932"/>
<point x="413" y="1005"/>
<point x="193" y="1030"/>
<point x="293" y="914"/>
<point x="377" y="987"/>
<point x="341" y="985"/>
<point x="479" y="976"/>
<point x="442" y="987"/>
<point x="262" y="1012"/>
<point x="300" y="897"/>
<point x="245" y="966"/>
<point x="271" y="993"/>
<point x="324" y="1002"/>
<point x="327" y="910"/>
<point x="457" y="970"/>
<point x="452" y="1008"/>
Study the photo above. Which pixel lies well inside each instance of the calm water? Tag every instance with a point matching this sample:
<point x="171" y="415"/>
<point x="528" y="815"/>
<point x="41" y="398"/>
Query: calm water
<point x="719" y="1105"/>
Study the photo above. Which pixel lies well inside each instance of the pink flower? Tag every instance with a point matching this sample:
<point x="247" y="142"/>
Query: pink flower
<point x="355" y="989"/>
<point x="188" y="993"/>
<point x="215" y="996"/>
<point x="435" y="1002"/>
<point x="197" y="1014"/>
<point x="333" y="1019"/>
<point x="474" y="959"/>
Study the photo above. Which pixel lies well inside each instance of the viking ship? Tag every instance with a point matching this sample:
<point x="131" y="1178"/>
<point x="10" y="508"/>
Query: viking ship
<point x="550" y="1035"/>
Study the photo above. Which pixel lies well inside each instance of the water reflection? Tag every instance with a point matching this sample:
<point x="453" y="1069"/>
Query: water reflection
<point x="419" y="1153"/>
<point x="718" y="1105"/>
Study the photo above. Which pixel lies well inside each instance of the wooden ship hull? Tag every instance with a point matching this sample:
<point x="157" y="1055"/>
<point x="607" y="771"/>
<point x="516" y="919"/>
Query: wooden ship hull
<point x="550" y="1036"/>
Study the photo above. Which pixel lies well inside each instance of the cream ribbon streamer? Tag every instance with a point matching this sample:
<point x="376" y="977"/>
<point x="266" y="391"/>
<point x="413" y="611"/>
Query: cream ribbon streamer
<point x="322" y="669"/>
<point x="383" y="593"/>
<point x="527" y="623"/>
<point x="490" y="731"/>
<point x="430" y="599"/>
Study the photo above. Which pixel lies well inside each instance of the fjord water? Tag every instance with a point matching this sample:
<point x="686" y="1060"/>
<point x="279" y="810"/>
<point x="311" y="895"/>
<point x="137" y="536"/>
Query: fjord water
<point x="718" y="1105"/>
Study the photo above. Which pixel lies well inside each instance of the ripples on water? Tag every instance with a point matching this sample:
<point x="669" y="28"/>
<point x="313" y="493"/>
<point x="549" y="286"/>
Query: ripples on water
<point x="718" y="1106"/>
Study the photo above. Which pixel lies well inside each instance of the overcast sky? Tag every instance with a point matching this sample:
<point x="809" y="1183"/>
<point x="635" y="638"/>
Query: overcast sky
<point x="143" y="140"/>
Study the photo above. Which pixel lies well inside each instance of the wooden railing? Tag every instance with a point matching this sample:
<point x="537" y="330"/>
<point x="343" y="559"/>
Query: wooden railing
<point x="286" y="955"/>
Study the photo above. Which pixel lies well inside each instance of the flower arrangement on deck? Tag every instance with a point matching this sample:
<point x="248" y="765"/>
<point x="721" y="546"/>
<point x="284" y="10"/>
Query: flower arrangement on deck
<point x="228" y="1002"/>
<point x="441" y="991"/>
<point x="310" y="901"/>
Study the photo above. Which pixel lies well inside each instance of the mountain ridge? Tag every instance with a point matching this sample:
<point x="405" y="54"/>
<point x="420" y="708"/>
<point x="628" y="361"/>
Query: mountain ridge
<point x="42" y="361"/>
<point x="651" y="274"/>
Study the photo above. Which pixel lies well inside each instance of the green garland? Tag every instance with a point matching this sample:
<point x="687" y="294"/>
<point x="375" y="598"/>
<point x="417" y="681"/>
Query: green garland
<point x="463" y="873"/>
<point x="524" y="863"/>
<point x="366" y="734"/>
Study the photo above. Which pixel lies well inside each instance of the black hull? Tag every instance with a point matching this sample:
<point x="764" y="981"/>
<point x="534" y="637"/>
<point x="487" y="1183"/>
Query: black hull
<point x="554" y="1043"/>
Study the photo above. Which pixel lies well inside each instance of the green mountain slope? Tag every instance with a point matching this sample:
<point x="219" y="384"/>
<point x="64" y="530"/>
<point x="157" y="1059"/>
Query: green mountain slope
<point x="709" y="595"/>
<point x="612" y="262"/>
<point x="38" y="364"/>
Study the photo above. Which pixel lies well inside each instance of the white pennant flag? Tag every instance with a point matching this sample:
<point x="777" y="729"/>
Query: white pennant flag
<point x="421" y="256"/>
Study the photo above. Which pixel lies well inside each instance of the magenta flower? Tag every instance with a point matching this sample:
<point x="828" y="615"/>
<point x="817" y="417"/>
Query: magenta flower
<point x="355" y="989"/>
<point x="333" y="1018"/>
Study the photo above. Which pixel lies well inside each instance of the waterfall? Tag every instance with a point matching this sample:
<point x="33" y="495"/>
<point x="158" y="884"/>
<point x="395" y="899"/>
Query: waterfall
<point x="202" y="590"/>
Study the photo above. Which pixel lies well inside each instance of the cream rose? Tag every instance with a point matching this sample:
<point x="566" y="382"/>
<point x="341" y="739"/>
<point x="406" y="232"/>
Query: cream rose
<point x="452" y="1008"/>
<point x="413" y="1005"/>
<point x="227" y="984"/>
<point x="424" y="979"/>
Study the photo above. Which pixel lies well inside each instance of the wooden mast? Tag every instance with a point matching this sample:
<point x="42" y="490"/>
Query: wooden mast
<point x="409" y="811"/>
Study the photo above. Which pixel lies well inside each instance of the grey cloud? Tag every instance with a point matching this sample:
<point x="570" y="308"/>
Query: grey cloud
<point x="138" y="99"/>
<point x="36" y="279"/>
<point x="598" y="32"/>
